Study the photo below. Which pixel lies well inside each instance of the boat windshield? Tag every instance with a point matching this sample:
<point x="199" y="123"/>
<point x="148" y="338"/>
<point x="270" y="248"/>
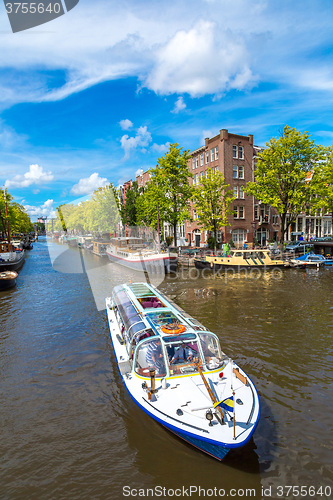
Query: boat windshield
<point x="149" y="355"/>
<point x="211" y="350"/>
<point x="183" y="357"/>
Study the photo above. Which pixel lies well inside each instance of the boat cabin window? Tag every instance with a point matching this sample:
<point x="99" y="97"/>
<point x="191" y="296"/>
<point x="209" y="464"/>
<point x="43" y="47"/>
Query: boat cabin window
<point x="183" y="357"/>
<point x="162" y="318"/>
<point x="149" y="355"/>
<point x="211" y="350"/>
<point x="127" y="311"/>
<point x="149" y="302"/>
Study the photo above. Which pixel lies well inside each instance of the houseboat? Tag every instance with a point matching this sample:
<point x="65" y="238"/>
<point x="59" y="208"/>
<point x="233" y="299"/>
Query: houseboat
<point x="134" y="253"/>
<point x="10" y="259"/>
<point x="240" y="259"/>
<point x="175" y="371"/>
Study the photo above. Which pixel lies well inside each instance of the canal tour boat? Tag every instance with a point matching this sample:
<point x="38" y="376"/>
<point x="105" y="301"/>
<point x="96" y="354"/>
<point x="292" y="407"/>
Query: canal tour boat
<point x="175" y="371"/>
<point x="133" y="253"/>
<point x="240" y="259"/>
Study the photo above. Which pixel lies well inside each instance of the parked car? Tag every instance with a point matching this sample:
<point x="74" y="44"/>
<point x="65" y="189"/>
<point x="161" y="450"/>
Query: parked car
<point x="298" y="246"/>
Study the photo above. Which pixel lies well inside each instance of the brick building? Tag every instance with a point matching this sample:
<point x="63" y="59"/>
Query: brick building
<point x="234" y="156"/>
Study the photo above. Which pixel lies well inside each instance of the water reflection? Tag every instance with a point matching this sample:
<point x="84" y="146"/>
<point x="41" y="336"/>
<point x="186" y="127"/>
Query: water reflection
<point x="69" y="428"/>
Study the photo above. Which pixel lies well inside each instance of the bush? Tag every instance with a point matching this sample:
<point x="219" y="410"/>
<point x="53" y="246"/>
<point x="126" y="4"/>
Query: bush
<point x="211" y="242"/>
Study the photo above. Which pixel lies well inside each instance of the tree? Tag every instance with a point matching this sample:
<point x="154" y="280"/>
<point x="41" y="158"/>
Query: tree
<point x="281" y="174"/>
<point x="18" y="219"/>
<point x="129" y="210"/>
<point x="321" y="185"/>
<point x="212" y="202"/>
<point x="170" y="185"/>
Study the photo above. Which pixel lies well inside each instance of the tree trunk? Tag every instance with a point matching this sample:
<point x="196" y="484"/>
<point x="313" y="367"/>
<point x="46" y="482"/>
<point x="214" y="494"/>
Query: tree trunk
<point x="175" y="234"/>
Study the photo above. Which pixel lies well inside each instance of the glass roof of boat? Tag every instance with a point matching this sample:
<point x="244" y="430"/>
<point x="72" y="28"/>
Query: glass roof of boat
<point x="141" y="290"/>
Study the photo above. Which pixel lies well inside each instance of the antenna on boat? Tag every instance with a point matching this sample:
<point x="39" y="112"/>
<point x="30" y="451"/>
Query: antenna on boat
<point x="8" y="232"/>
<point x="233" y="395"/>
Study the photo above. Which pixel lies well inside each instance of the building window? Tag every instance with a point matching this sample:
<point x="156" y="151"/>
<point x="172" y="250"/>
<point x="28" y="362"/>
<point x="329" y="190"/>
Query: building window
<point x="197" y="179"/>
<point x="197" y="162"/>
<point x="212" y="154"/>
<point x="239" y="212"/>
<point x="238" y="172"/>
<point x="193" y="163"/>
<point x="256" y="212"/>
<point x="241" y="193"/>
<point x="207" y="157"/>
<point x="195" y="214"/>
<point x="236" y="191"/>
<point x="201" y="159"/>
<point x="234" y="152"/>
<point x="239" y="236"/>
<point x="216" y="153"/>
<point x="241" y="152"/>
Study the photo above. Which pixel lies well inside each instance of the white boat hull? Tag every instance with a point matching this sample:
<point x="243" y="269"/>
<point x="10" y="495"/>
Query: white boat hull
<point x="182" y="404"/>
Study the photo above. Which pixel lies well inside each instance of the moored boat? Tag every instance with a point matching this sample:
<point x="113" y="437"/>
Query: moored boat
<point x="10" y="260"/>
<point x="311" y="259"/>
<point x="7" y="279"/>
<point x="240" y="259"/>
<point x="133" y="253"/>
<point x="175" y="371"/>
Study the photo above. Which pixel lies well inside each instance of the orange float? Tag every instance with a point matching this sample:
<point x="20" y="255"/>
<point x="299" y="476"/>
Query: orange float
<point x="174" y="330"/>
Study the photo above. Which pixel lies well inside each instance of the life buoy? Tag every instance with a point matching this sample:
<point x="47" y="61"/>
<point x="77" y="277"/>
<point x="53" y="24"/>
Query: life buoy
<point x="173" y="330"/>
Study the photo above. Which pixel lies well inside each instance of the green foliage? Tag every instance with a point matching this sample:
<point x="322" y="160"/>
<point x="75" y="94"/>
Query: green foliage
<point x="99" y="214"/>
<point x="129" y="210"/>
<point x="18" y="219"/>
<point x="211" y="242"/>
<point x="281" y="174"/>
<point x="170" y="185"/>
<point x="212" y="202"/>
<point x="322" y="184"/>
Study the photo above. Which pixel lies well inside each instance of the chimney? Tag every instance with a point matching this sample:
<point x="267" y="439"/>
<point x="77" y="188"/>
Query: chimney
<point x="251" y="139"/>
<point x="224" y="134"/>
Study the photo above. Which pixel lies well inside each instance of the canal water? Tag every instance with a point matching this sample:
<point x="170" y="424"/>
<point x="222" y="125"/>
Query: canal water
<point x="69" y="430"/>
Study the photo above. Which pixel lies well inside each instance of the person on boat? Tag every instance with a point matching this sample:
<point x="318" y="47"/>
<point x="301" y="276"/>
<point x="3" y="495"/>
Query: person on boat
<point x="154" y="357"/>
<point x="182" y="353"/>
<point x="225" y="249"/>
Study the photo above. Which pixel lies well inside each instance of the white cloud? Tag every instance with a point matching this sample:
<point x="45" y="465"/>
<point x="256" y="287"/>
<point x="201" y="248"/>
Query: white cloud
<point x="89" y="184"/>
<point x="179" y="105"/>
<point x="202" y="60"/>
<point x="103" y="41"/>
<point x="141" y="139"/>
<point x="35" y="175"/>
<point x="161" y="148"/>
<point x="45" y="210"/>
<point x="126" y="124"/>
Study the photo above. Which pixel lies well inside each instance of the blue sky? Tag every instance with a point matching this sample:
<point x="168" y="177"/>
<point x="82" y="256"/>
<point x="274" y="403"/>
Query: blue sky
<point x="99" y="93"/>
